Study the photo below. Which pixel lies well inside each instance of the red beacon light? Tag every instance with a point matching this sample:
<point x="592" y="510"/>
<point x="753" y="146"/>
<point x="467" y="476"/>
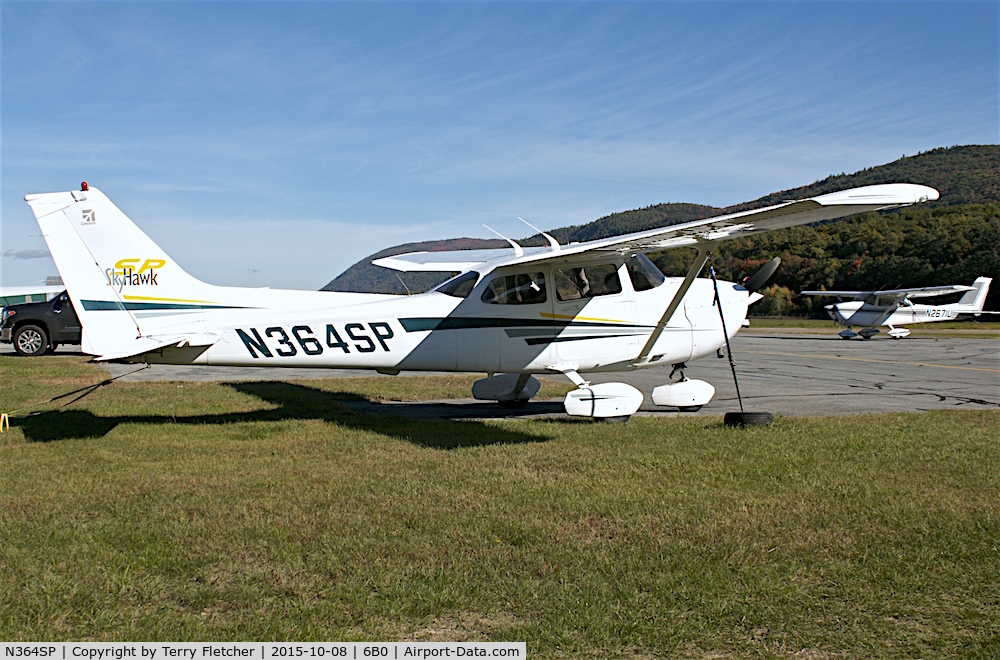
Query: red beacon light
<point x="83" y="186"/>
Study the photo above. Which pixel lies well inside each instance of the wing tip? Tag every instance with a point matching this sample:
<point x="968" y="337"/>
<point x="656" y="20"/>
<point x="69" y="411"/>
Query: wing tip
<point x="890" y="194"/>
<point x="392" y="263"/>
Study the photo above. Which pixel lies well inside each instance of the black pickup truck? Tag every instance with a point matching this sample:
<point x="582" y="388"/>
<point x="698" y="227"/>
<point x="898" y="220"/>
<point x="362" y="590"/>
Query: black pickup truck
<point x="37" y="328"/>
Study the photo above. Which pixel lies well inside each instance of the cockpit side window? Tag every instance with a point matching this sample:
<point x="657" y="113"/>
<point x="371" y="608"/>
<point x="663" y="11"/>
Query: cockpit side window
<point x="519" y="289"/>
<point x="643" y="273"/>
<point x="587" y="282"/>
<point x="460" y="286"/>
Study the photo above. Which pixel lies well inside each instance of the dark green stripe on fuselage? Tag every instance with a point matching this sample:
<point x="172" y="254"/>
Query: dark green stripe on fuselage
<point x="537" y="341"/>
<point x="423" y="324"/>
<point x="114" y="305"/>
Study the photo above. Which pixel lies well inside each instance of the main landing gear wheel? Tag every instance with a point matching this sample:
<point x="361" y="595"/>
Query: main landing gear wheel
<point x="516" y="404"/>
<point x="30" y="340"/>
<point x="748" y="418"/>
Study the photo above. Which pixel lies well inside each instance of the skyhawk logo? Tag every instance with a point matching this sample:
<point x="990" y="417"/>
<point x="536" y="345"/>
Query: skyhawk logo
<point x="89" y="218"/>
<point x="129" y="278"/>
<point x="125" y="274"/>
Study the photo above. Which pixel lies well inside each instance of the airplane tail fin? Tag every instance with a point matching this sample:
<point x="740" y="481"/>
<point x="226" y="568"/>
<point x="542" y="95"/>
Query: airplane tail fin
<point x="976" y="298"/>
<point x="123" y="286"/>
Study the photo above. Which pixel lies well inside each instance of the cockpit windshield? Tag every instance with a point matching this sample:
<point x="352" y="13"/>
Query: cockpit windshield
<point x="460" y="286"/>
<point x="643" y="273"/>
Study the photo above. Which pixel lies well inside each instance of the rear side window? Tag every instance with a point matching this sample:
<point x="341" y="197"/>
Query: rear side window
<point x="519" y="289"/>
<point x="587" y="282"/>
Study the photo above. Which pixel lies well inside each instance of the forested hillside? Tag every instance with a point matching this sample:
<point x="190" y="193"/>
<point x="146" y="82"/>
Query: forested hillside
<point x="915" y="246"/>
<point x="363" y="277"/>
<point x="953" y="240"/>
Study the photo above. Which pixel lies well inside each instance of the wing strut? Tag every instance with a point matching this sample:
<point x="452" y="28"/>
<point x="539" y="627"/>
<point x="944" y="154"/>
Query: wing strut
<point x="705" y="250"/>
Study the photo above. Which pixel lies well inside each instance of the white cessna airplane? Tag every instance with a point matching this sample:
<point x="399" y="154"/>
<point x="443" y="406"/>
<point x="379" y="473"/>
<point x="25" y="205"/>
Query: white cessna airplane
<point x="871" y="309"/>
<point x="571" y="309"/>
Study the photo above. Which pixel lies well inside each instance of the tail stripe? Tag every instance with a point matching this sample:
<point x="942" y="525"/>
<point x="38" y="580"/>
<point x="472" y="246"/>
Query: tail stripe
<point x="114" y="305"/>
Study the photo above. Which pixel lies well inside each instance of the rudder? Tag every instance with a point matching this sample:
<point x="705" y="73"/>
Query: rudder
<point x="976" y="298"/>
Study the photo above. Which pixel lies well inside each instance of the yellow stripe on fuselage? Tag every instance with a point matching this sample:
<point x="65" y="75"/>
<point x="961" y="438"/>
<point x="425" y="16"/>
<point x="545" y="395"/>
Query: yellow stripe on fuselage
<point x="173" y="300"/>
<point x="568" y="317"/>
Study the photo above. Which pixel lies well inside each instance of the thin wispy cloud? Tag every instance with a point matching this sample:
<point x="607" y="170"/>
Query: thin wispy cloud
<point x="336" y="129"/>
<point x="26" y="254"/>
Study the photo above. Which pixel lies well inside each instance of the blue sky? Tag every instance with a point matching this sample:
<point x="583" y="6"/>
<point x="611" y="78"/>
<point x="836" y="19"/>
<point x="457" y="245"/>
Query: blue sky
<point x="276" y="143"/>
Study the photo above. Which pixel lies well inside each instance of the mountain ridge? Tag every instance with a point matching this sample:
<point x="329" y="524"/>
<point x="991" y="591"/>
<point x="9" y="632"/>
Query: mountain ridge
<point x="964" y="175"/>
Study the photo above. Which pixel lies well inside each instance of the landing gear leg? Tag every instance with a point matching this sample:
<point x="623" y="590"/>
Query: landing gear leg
<point x="516" y="403"/>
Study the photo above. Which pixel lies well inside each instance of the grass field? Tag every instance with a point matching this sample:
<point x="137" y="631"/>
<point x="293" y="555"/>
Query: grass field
<point x="268" y="511"/>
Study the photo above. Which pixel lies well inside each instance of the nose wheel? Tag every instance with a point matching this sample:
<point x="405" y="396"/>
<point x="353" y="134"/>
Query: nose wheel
<point x="685" y="394"/>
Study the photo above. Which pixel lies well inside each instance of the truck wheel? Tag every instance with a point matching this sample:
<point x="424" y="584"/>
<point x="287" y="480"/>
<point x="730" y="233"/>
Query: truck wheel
<point x="30" y="340"/>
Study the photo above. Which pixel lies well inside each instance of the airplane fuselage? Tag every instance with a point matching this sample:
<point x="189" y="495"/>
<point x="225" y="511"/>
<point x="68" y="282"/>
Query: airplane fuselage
<point x="865" y="315"/>
<point x="860" y="314"/>
<point x="440" y="332"/>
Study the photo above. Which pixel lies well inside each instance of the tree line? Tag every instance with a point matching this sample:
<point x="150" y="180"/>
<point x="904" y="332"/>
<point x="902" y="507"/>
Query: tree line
<point x="911" y="247"/>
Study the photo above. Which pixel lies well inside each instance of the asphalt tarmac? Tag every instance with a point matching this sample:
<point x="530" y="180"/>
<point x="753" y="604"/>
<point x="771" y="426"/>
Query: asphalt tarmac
<point x="810" y="374"/>
<point x="781" y="372"/>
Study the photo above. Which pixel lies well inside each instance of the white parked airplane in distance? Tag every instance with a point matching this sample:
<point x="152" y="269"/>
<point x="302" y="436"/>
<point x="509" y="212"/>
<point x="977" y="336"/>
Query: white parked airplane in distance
<point x="871" y="309"/>
<point x="511" y="313"/>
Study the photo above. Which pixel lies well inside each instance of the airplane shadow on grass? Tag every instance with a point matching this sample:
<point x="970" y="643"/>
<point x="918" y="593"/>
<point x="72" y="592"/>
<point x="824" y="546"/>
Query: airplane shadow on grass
<point x="432" y="425"/>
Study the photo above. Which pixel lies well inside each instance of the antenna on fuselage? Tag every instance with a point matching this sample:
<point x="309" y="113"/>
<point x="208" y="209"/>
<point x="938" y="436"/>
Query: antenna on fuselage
<point x="518" y="250"/>
<point x="553" y="243"/>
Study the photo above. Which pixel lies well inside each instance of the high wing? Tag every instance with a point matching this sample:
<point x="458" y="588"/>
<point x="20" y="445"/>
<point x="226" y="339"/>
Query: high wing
<point x="447" y="260"/>
<point x="890" y="296"/>
<point x="703" y="234"/>
<point x="708" y="230"/>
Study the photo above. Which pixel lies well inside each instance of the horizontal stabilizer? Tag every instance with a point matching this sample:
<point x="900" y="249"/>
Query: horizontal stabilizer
<point x="143" y="345"/>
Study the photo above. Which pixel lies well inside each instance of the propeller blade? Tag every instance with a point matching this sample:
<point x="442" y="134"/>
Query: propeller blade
<point x="759" y="279"/>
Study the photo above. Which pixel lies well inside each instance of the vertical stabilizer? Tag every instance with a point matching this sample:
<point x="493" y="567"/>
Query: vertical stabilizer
<point x="975" y="299"/>
<point x="121" y="283"/>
